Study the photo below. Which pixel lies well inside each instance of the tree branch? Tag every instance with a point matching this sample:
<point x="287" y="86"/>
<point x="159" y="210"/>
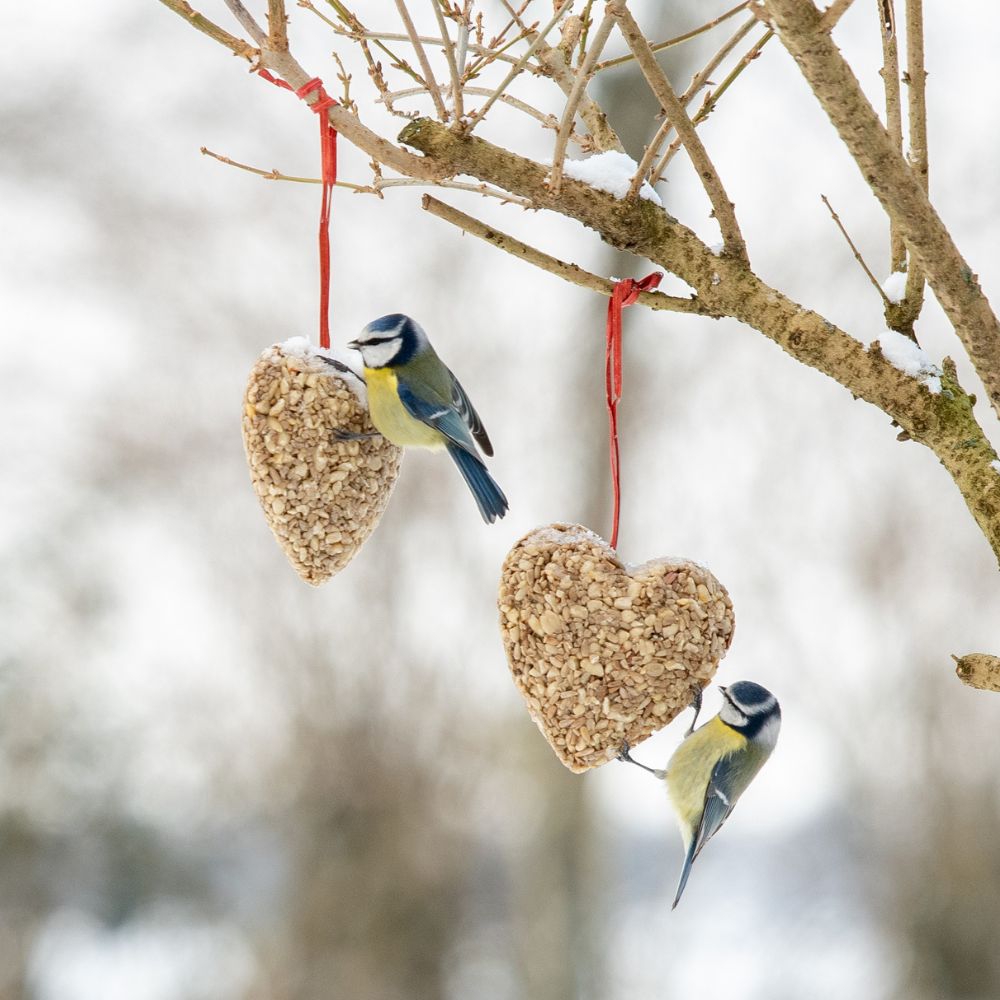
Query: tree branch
<point x="978" y="670"/>
<point x="857" y="253"/>
<point x="546" y="121"/>
<point x="916" y="78"/>
<point x="274" y="174"/>
<point x="536" y="43"/>
<point x="834" y="13"/>
<point x="677" y="39"/>
<point x="576" y="95"/>
<point x="277" y="26"/>
<point x="247" y="22"/>
<point x="660" y="85"/>
<point x="895" y="185"/>
<point x="697" y="82"/>
<point x="711" y="99"/>
<point x="237" y="46"/>
<point x="449" y="51"/>
<point x="568" y="272"/>
<point x="553" y="63"/>
<point x="726" y="286"/>
<point x="425" y="65"/>
<point x="893" y="113"/>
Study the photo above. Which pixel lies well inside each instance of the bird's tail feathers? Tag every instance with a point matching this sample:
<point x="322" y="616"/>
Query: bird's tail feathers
<point x="492" y="503"/>
<point x="689" y="857"/>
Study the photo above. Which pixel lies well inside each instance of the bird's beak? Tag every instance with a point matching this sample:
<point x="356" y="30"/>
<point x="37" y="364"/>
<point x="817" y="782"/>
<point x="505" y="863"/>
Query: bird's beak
<point x="353" y="346"/>
<point x="722" y="689"/>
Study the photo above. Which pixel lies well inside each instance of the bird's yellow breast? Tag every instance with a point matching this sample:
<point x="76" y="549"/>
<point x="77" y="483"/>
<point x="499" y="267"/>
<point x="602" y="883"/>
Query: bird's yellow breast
<point x="391" y="418"/>
<point x="690" y="769"/>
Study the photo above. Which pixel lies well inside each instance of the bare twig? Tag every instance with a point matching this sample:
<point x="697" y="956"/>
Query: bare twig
<point x="273" y="174"/>
<point x="449" y="52"/>
<point x="568" y="272"/>
<point x="893" y="110"/>
<point x="834" y="13"/>
<point x="552" y="62"/>
<point x="547" y="120"/>
<point x="425" y="64"/>
<point x="365" y="34"/>
<point x="660" y="46"/>
<point x="497" y="55"/>
<point x="583" y="75"/>
<point x="237" y="46"/>
<point x="357" y="32"/>
<point x="463" y="38"/>
<point x="700" y="160"/>
<point x="277" y="26"/>
<point x="651" y="152"/>
<point x="377" y="186"/>
<point x="702" y="76"/>
<point x="855" y="251"/>
<point x="497" y="44"/>
<point x="711" y="100"/>
<point x="247" y="22"/>
<point x="487" y="190"/>
<point x="697" y="82"/>
<point x="517" y="14"/>
<point x="916" y="77"/>
<point x="586" y="23"/>
<point x="895" y="184"/>
<point x="345" y="78"/>
<point x="516" y="69"/>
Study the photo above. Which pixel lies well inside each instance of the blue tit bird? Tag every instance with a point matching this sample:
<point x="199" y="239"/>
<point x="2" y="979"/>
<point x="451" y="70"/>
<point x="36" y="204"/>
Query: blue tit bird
<point x="715" y="763"/>
<point x="415" y="401"/>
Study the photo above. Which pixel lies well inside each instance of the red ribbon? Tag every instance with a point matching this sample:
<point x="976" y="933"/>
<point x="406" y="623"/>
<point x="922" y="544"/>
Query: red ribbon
<point x="625" y="293"/>
<point x="328" y="147"/>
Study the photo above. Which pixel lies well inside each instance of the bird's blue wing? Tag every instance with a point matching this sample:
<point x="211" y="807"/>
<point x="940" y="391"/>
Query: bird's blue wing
<point x="723" y="790"/>
<point x="468" y="414"/>
<point x="442" y="416"/>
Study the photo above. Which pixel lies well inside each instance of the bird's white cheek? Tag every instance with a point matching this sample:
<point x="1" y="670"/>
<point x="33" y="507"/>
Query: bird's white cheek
<point x="379" y="355"/>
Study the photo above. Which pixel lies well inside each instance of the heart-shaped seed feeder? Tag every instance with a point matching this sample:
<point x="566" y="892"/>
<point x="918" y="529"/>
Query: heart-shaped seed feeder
<point x="322" y="497"/>
<point x="604" y="653"/>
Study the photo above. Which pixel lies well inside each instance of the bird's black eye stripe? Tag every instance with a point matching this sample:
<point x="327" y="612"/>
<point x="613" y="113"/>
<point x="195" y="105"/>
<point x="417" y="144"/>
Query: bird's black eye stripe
<point x="379" y="340"/>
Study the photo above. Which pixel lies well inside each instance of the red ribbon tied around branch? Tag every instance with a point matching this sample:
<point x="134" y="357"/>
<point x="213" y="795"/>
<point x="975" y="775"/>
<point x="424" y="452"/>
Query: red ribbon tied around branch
<point x="625" y="293"/>
<point x="328" y="147"/>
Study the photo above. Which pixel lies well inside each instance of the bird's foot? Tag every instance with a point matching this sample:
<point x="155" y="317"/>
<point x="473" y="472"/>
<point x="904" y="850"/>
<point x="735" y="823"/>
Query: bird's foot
<point x="696" y="705"/>
<point x="341" y="367"/>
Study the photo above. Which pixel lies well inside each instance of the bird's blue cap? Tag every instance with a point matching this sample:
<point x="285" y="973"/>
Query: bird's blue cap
<point x="388" y="323"/>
